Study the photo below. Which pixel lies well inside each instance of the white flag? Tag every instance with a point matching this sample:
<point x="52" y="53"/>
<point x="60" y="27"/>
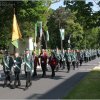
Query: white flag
<point x="62" y="31"/>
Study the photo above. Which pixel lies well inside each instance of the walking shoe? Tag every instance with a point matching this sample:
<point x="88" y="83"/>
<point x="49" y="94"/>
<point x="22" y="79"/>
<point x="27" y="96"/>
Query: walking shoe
<point x="25" y="88"/>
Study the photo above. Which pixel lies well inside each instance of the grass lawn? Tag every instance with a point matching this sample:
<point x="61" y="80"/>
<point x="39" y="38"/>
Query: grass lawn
<point x="88" y="88"/>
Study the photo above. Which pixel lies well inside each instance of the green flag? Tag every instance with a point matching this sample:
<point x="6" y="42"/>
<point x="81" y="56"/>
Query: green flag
<point x="47" y="36"/>
<point x="15" y="43"/>
<point x="62" y="31"/>
<point x="41" y="29"/>
<point x="36" y="30"/>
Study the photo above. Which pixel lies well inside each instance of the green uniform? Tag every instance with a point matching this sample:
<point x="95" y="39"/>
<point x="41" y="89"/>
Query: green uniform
<point x="68" y="60"/>
<point x="7" y="63"/>
<point x="73" y="56"/>
<point x="28" y="69"/>
<point x="17" y="70"/>
<point x="28" y="63"/>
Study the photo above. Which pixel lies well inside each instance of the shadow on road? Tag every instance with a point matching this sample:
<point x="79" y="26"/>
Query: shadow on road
<point x="62" y="89"/>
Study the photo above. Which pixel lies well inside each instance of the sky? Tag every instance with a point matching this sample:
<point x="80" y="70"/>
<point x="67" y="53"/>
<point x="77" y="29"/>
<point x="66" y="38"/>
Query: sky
<point x="60" y="3"/>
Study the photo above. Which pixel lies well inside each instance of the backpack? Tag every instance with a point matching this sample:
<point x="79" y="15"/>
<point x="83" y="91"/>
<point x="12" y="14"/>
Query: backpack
<point x="53" y="61"/>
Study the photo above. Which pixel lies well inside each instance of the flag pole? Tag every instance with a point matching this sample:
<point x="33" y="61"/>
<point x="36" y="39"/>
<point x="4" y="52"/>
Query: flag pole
<point x="16" y="34"/>
<point x="35" y="34"/>
<point x="13" y="45"/>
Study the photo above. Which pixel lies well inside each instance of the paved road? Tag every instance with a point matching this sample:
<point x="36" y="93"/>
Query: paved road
<point x="47" y="88"/>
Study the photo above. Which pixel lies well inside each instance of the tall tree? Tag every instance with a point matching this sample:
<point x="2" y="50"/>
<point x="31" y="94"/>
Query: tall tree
<point x="63" y="19"/>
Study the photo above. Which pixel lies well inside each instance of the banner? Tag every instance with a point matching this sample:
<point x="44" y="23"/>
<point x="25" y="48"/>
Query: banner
<point x="35" y="30"/>
<point x="62" y="31"/>
<point x="40" y="27"/>
<point x="47" y="36"/>
<point x="31" y="47"/>
<point x="16" y="34"/>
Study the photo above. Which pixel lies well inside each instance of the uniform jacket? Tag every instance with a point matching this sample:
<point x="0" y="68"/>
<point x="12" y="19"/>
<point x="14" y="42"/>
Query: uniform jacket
<point x="28" y="61"/>
<point x="9" y="61"/>
<point x="43" y="59"/>
<point x="36" y="61"/>
<point x="68" y="57"/>
<point x="17" y="64"/>
<point x="73" y="57"/>
<point x="62" y="57"/>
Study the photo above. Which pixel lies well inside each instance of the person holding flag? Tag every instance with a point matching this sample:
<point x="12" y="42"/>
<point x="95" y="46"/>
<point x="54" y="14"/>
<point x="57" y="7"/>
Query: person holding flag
<point x="17" y="69"/>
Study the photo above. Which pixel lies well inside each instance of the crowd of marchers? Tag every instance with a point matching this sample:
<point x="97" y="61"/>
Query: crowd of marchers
<point x="57" y="60"/>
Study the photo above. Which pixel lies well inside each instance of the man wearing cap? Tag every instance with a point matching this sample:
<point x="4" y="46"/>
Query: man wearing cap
<point x="7" y="62"/>
<point x="28" y="68"/>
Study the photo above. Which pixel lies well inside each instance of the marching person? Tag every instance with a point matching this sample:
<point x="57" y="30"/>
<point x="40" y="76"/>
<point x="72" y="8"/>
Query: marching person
<point x="36" y="63"/>
<point x="28" y="68"/>
<point x="68" y="59"/>
<point x="58" y="57"/>
<point x="62" y="60"/>
<point x="7" y="63"/>
<point x="43" y="61"/>
<point x="17" y="69"/>
<point x="53" y="63"/>
<point x="73" y="57"/>
<point x="81" y="57"/>
<point x="77" y="58"/>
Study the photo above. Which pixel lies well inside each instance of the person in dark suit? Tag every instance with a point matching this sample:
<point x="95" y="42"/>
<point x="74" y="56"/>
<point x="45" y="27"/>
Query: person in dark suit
<point x="17" y="69"/>
<point x="77" y="58"/>
<point x="36" y="62"/>
<point x="28" y="59"/>
<point x="73" y="58"/>
<point x="68" y="59"/>
<point x="43" y="61"/>
<point x="7" y="62"/>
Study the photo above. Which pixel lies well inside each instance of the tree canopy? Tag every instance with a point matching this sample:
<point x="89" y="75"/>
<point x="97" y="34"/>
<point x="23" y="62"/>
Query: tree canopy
<point x="78" y="19"/>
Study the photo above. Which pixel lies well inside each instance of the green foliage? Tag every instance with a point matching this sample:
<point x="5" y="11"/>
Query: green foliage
<point x="64" y="19"/>
<point x="78" y="20"/>
<point x="28" y="12"/>
<point x="88" y="20"/>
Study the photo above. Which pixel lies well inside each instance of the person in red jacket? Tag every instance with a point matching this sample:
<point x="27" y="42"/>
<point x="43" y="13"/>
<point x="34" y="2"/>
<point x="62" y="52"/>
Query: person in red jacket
<point x="53" y="63"/>
<point x="36" y="63"/>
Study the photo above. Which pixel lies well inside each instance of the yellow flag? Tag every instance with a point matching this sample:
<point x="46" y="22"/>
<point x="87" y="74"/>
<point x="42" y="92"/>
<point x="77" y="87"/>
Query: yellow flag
<point x="16" y="34"/>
